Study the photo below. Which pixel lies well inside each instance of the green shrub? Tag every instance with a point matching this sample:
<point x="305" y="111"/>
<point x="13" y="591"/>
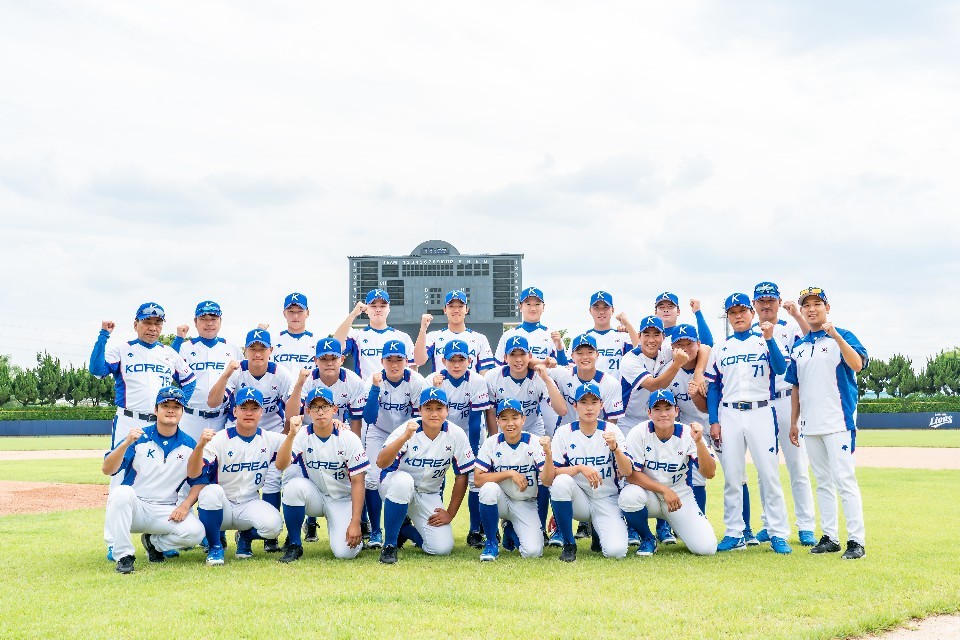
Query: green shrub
<point x="58" y="413"/>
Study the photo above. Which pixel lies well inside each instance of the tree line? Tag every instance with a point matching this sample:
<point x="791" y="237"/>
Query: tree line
<point x="896" y="377"/>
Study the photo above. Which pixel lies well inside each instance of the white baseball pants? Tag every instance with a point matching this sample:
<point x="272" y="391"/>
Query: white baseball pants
<point x="521" y="513"/>
<point x="603" y="513"/>
<point x="127" y="513"/>
<point x="687" y="521"/>
<point x="399" y="487"/>
<point x="832" y="461"/>
<point x="301" y="492"/>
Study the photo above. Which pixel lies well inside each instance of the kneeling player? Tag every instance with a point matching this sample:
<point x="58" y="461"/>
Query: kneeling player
<point x="154" y="465"/>
<point x="506" y="473"/>
<point x="663" y="451"/>
<point x="588" y="455"/>
<point x="415" y="459"/>
<point x="334" y="463"/>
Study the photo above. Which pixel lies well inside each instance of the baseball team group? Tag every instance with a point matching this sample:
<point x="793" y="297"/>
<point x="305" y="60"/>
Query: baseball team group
<point x="624" y="424"/>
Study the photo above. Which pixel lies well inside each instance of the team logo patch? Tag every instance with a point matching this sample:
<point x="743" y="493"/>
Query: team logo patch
<point x="416" y="447"/>
<point x="309" y="449"/>
<point x="498" y="454"/>
<point x="129" y="355"/>
<point x="230" y="453"/>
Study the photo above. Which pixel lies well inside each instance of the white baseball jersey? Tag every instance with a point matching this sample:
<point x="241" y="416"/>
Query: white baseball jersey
<point x="330" y="462"/>
<point x="156" y="466"/>
<point x="688" y="410"/>
<point x="238" y="464"/>
<point x="530" y="391"/>
<point x="670" y="463"/>
<point x="275" y="386"/>
<point x="481" y="357"/>
<point x="634" y="367"/>
<point x="295" y="351"/>
<point x="207" y="359"/>
<point x="740" y="366"/>
<point x="140" y="370"/>
<point x="568" y="381"/>
<point x="612" y="345"/>
<point x="427" y="460"/>
<point x="467" y="394"/>
<point x="349" y="394"/>
<point x="571" y="448"/>
<point x="398" y="401"/>
<point x="526" y="458"/>
<point x="537" y="335"/>
<point x="366" y="347"/>
<point x="786" y="333"/>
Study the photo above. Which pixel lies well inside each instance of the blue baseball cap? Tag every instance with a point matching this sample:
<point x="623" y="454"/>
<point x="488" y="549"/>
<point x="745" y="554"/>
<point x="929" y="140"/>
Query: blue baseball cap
<point x="666" y="296"/>
<point x="247" y="394"/>
<point x="663" y="395"/>
<point x="320" y="392"/>
<point x="531" y="292"/>
<point x="737" y="300"/>
<point x="329" y="346"/>
<point x="514" y="343"/>
<point x="587" y="389"/>
<point x="684" y="332"/>
<point x="435" y="394"/>
<point x="171" y="393"/>
<point x="601" y="296"/>
<point x="456" y="348"/>
<point x="509" y="405"/>
<point x="766" y="290"/>
<point x="207" y="308"/>
<point x="812" y="291"/>
<point x="583" y="340"/>
<point x="150" y="310"/>
<point x="455" y="295"/>
<point x="295" y="298"/>
<point x="378" y="294"/>
<point x="650" y="322"/>
<point x="255" y="336"/>
<point x="394" y="349"/>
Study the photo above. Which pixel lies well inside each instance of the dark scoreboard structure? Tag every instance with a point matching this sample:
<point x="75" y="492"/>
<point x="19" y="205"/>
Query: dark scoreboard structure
<point x="417" y="284"/>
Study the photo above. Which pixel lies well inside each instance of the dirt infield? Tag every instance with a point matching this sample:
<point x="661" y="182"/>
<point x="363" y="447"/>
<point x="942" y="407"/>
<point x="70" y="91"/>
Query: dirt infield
<point x="40" y="497"/>
<point x="934" y="628"/>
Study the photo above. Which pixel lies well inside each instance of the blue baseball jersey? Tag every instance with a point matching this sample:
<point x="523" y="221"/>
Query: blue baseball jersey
<point x="156" y="465"/>
<point x="295" y="351"/>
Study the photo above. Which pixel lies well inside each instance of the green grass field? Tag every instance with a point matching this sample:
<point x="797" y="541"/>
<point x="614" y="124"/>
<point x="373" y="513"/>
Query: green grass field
<point x="56" y="583"/>
<point x="47" y="443"/>
<point x="77" y="471"/>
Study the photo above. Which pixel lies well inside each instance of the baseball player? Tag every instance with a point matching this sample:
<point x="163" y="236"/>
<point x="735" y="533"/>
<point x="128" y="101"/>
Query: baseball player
<point x="153" y="462"/>
<point x="585" y="356"/>
<point x="429" y="346"/>
<point x="207" y="356"/>
<point x="393" y="397"/>
<point x="233" y="465"/>
<point x="140" y="368"/>
<point x="667" y="308"/>
<point x="467" y="400"/>
<point x="766" y="302"/>
<point x="612" y="344"/>
<point x="366" y="344"/>
<point x="663" y="452"/>
<point x="334" y="464"/>
<point x="274" y="383"/>
<point x="295" y="346"/>
<point x="823" y="368"/>
<point x="415" y="459"/>
<point x="588" y="455"/>
<point x="507" y="472"/>
<point x="741" y="375"/>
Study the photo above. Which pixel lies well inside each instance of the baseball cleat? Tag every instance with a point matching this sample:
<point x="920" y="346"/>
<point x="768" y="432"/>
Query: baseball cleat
<point x="153" y="554"/>
<point x="215" y="556"/>
<point x="780" y="545"/>
<point x="729" y="543"/>
<point x="171" y="553"/>
<point x="375" y="541"/>
<point x="388" y="554"/>
<point x="475" y="540"/>
<point x="271" y="546"/>
<point x="807" y="538"/>
<point x="749" y="538"/>
<point x="125" y="564"/>
<point x="854" y="551"/>
<point x="665" y="533"/>
<point x="292" y="553"/>
<point x="510" y="540"/>
<point x="584" y="530"/>
<point x="110" y="554"/>
<point x="826" y="545"/>
<point x="490" y="551"/>
<point x="364" y="528"/>
<point x="595" y="545"/>
<point x="569" y="553"/>
<point x="310" y="531"/>
<point x="244" y="549"/>
<point x="648" y="547"/>
<point x="763" y="536"/>
<point x="556" y="540"/>
<point x="633" y="538"/>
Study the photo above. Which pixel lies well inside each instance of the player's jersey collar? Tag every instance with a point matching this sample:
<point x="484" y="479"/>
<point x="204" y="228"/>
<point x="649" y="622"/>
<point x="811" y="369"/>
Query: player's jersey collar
<point x="443" y="428"/>
<point x="384" y="330"/>
<point x="456" y="382"/>
<point x="597" y="375"/>
<point x="530" y="327"/>
<point x="296" y="336"/>
<point x="743" y="335"/>
<point x="405" y="378"/>
<point x="209" y="343"/>
<point x="143" y="344"/>
<point x="575" y="426"/>
<point x="233" y="433"/>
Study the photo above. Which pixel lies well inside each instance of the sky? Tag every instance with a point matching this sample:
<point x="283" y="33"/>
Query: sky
<point x="238" y="151"/>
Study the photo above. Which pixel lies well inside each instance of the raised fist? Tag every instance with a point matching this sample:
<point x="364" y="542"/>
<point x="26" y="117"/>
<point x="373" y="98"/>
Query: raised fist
<point x="263" y="325"/>
<point x="425" y="320"/>
<point x="830" y="329"/>
<point x="295" y="423"/>
<point x="358" y="309"/>
<point x="377" y="378"/>
<point x="680" y="357"/>
<point x="134" y="435"/>
<point x="610" y="440"/>
<point x="767" y="329"/>
<point x="791" y="307"/>
<point x="206" y="436"/>
<point x="303" y="375"/>
<point x="696" y="431"/>
<point x="545" y="443"/>
<point x="694" y="305"/>
<point x="437" y="379"/>
<point x="232" y="366"/>
<point x="557" y="339"/>
<point x="411" y="428"/>
<point x="108" y="326"/>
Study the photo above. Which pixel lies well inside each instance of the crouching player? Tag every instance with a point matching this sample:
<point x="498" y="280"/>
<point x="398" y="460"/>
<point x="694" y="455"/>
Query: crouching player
<point x="233" y="465"/>
<point x="415" y="459"/>
<point x="334" y="463"/>
<point x="663" y="453"/>
<point x="506" y="473"/>
<point x="588" y="455"/>
<point x="154" y="465"/>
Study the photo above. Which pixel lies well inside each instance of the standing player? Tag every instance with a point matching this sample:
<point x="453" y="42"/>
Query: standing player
<point x="663" y="453"/>
<point x="207" y="356"/>
<point x="153" y="462"/>
<point x="585" y="356"/>
<point x="589" y="455"/>
<point x="334" y="464"/>
<point x="393" y="396"/>
<point x="295" y="345"/>
<point x="611" y="343"/>
<point x="507" y="472"/>
<point x="140" y="368"/>
<point x="823" y="372"/>
<point x="415" y="460"/>
<point x="366" y="344"/>
<point x="233" y="465"/>
<point x="741" y="375"/>
<point x="429" y="346"/>
<point x="766" y="302"/>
